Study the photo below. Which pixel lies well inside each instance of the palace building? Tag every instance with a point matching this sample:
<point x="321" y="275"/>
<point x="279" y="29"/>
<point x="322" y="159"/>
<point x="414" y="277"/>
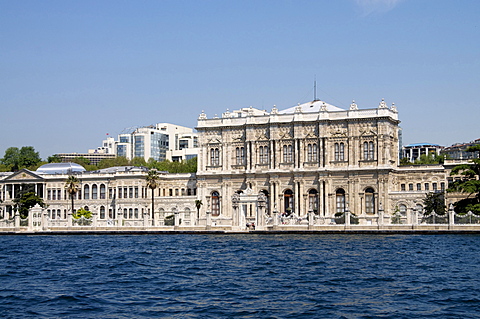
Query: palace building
<point x="312" y="164"/>
<point x="312" y="158"/>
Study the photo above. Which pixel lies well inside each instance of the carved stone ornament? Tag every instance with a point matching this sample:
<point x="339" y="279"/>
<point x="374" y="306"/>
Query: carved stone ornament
<point x="383" y="105"/>
<point x="353" y="106"/>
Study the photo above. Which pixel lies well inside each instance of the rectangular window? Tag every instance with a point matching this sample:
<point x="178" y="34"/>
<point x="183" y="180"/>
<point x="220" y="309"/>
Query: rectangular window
<point x="419" y="187"/>
<point x="427" y="186"/>
<point x="402" y="187"/>
<point x="410" y="187"/>
<point x="434" y="186"/>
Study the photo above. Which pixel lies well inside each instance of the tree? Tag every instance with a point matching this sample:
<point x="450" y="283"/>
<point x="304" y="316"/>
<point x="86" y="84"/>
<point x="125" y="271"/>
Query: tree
<point x="16" y="159"/>
<point x="71" y="185"/>
<point x="112" y="162"/>
<point x="198" y="205"/>
<point x="152" y="183"/>
<point x="434" y="202"/>
<point x="429" y="159"/>
<point x="82" y="212"/>
<point x="54" y="159"/>
<point x="26" y="201"/>
<point x="138" y="161"/>
<point x="468" y="184"/>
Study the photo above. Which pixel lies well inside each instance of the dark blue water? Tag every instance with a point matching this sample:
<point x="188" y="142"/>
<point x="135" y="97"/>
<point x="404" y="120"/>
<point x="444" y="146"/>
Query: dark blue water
<point x="242" y="276"/>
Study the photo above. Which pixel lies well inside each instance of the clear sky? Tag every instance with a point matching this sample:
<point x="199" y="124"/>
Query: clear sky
<point x="73" y="71"/>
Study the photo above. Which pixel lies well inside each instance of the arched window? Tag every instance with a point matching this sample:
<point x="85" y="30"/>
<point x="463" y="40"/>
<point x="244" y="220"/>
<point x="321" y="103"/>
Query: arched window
<point x="102" y="191"/>
<point x="125" y="213"/>
<point x="340" y="200"/>
<point x="402" y="209"/>
<point x="314" y="152"/>
<point x="371" y="151"/>
<point x="313" y="201"/>
<point x="342" y="152"/>
<point x="94" y="191"/>
<point x="288" y="202"/>
<point x="135" y="211"/>
<point x="419" y="209"/>
<point x="369" y="201"/>
<point x="102" y="212"/>
<point x="215" y="204"/>
<point x="86" y="192"/>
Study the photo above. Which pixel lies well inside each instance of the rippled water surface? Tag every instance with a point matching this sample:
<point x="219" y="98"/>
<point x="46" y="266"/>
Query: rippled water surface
<point x="242" y="276"/>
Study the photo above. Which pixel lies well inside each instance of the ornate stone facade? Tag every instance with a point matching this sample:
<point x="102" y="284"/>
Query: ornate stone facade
<point x="313" y="158"/>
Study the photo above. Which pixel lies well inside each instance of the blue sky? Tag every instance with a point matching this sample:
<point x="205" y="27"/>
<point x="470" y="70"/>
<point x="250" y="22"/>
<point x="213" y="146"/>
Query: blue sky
<point x="72" y="71"/>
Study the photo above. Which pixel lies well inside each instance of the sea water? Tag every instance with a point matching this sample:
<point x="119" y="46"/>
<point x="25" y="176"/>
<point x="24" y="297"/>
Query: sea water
<point x="240" y="276"/>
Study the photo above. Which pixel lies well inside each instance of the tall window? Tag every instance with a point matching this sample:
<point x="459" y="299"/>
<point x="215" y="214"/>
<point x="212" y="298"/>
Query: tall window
<point x="312" y="152"/>
<point x="340" y="200"/>
<point x="263" y="154"/>
<point x="339" y="151"/>
<point x="369" y="201"/>
<point x="287" y="153"/>
<point x="240" y="155"/>
<point x="214" y="157"/>
<point x="313" y="200"/>
<point x="94" y="191"/>
<point x="288" y="201"/>
<point x="102" y="191"/>
<point x="102" y="212"/>
<point x="368" y="151"/>
<point x="215" y="204"/>
<point x="86" y="192"/>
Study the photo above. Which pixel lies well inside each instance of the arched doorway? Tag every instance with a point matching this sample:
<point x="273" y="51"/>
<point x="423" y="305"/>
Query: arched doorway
<point x="288" y="202"/>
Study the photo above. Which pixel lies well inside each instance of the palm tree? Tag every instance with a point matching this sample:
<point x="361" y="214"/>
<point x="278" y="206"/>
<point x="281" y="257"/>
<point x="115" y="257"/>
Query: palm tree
<point x="152" y="183"/>
<point x="72" y="184"/>
<point x="198" y="205"/>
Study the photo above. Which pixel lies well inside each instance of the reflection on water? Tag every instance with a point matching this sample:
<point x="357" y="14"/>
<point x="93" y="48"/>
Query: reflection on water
<point x="256" y="276"/>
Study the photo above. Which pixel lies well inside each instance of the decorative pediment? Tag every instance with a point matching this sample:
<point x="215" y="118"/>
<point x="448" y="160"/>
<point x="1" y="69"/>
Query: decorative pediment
<point x="368" y="132"/>
<point x="214" y="140"/>
<point x="338" y="133"/>
<point x="285" y="134"/>
<point x="23" y="175"/>
<point x="238" y="138"/>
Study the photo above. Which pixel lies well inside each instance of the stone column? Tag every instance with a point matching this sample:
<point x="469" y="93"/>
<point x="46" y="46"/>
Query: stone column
<point x="260" y="218"/>
<point x="69" y="219"/>
<point x="94" y="219"/>
<point x="311" y="217"/>
<point x="451" y="216"/>
<point x="347" y="219"/>
<point x="380" y="216"/>
<point x="176" y="221"/>
<point x="145" y="218"/>
<point x="208" y="224"/>
<point x="45" y="220"/>
<point x="17" y="220"/>
<point x="414" y="218"/>
<point x="120" y="217"/>
<point x="275" y="219"/>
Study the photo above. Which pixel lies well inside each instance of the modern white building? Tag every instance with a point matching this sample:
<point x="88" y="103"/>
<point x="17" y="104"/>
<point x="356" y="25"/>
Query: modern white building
<point x="163" y="141"/>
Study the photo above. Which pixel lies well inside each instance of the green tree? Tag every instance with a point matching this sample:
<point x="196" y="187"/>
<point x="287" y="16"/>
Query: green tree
<point x="82" y="212"/>
<point x="434" y="202"/>
<point x="26" y="201"/>
<point x="72" y="185"/>
<point x="112" y="162"/>
<point x="16" y="159"/>
<point x="54" y="159"/>
<point x="405" y="161"/>
<point x="138" y="161"/>
<point x="429" y="159"/>
<point x="152" y="183"/>
<point x="469" y="184"/>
